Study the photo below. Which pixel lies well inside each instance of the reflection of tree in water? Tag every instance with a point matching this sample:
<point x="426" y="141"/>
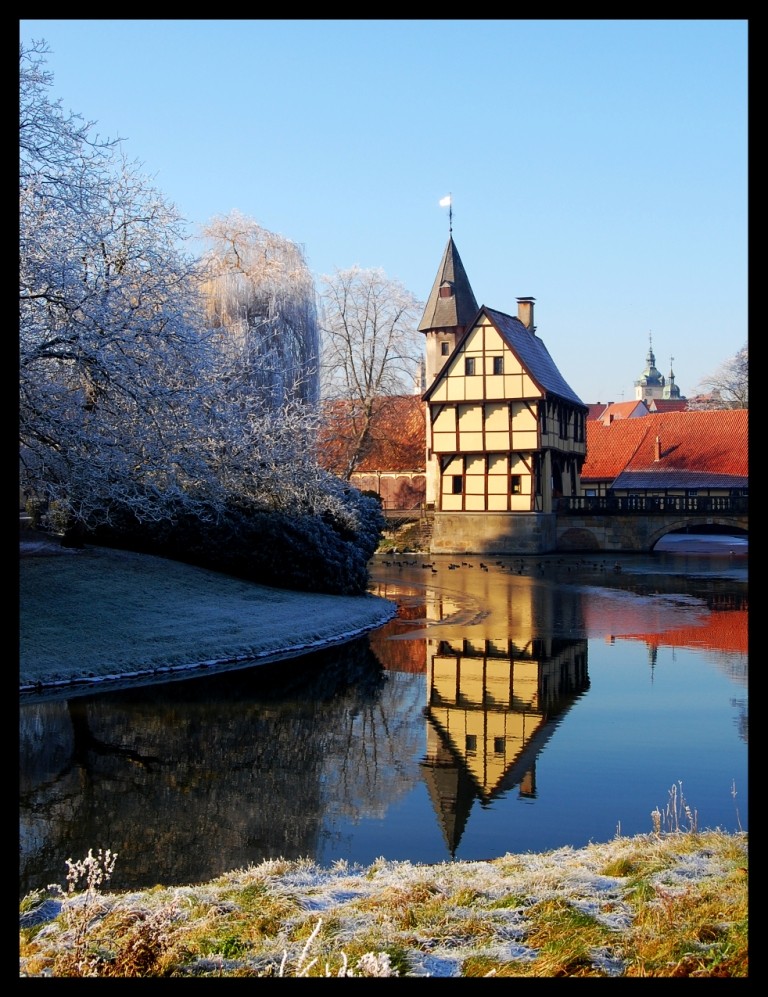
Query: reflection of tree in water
<point x="85" y="744"/>
<point x="368" y="760"/>
<point x="742" y="718"/>
<point x="194" y="778"/>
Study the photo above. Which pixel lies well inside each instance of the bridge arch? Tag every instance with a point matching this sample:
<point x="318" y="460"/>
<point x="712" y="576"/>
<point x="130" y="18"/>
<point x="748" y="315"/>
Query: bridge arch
<point x="690" y="524"/>
<point x="591" y="531"/>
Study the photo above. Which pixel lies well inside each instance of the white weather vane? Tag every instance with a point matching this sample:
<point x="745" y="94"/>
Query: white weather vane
<point x="447" y="202"/>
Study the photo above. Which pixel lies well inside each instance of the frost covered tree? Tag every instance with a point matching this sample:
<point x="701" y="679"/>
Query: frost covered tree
<point x="260" y="299"/>
<point x="111" y="344"/>
<point x="142" y="422"/>
<point x="370" y="349"/>
<point x="127" y="399"/>
<point x="730" y="382"/>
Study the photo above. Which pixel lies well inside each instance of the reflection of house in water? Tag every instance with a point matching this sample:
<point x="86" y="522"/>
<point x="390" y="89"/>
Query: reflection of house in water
<point x="722" y="629"/>
<point x="722" y="624"/>
<point x="491" y="707"/>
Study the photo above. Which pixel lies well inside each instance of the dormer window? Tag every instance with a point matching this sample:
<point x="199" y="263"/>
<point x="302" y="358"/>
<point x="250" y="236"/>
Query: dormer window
<point x="446" y="290"/>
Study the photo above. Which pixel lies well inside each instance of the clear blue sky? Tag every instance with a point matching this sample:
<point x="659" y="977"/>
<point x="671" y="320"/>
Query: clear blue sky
<point x="599" y="166"/>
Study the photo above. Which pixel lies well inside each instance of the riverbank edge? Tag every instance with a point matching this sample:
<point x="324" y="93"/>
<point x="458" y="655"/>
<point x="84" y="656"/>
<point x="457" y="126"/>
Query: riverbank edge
<point x="77" y="685"/>
<point x="63" y="676"/>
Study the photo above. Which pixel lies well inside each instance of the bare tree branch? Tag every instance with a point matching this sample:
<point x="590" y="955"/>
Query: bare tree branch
<point x="370" y="349"/>
<point x="729" y="384"/>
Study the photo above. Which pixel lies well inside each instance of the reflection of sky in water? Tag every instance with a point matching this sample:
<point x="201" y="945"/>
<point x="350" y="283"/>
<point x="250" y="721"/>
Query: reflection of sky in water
<point x="639" y="731"/>
<point x="652" y="719"/>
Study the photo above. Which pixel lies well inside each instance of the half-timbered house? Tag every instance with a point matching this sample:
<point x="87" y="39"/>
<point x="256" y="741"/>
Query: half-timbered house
<point x="505" y="432"/>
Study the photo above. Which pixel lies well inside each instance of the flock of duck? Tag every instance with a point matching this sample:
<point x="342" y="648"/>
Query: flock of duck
<point x="517" y="565"/>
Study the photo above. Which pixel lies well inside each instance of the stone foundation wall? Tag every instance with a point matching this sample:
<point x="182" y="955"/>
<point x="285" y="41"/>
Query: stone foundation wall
<point x="493" y="533"/>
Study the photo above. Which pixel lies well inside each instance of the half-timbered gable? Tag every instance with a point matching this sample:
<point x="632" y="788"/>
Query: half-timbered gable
<point x="506" y="432"/>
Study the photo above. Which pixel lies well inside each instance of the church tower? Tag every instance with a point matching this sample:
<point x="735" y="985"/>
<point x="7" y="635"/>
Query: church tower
<point x="651" y="382"/>
<point x="671" y="390"/>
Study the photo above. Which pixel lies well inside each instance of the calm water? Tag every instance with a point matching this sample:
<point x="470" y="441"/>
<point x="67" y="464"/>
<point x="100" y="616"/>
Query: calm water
<point x="522" y="704"/>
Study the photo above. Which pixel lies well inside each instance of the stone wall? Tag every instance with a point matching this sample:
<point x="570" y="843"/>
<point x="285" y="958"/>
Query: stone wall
<point x="493" y="533"/>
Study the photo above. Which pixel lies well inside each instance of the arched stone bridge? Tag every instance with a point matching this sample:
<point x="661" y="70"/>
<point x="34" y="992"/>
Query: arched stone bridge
<point x="582" y="523"/>
<point x="636" y="531"/>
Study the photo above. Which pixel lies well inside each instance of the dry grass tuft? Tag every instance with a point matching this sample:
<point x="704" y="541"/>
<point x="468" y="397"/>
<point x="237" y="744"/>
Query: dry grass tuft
<point x="697" y="930"/>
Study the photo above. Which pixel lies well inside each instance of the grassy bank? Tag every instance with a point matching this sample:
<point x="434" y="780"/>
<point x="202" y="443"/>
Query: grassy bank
<point x="663" y="904"/>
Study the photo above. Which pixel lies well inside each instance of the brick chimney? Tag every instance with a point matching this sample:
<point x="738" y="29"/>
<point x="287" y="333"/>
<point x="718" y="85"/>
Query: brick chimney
<point x="525" y="312"/>
<point x="657" y="449"/>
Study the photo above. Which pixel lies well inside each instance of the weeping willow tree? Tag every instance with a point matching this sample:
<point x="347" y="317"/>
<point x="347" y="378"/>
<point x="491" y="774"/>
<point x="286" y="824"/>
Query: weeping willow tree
<point x="260" y="300"/>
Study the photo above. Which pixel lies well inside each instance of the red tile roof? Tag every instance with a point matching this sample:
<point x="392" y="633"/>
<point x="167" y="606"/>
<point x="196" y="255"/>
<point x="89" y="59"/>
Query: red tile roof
<point x="624" y="410"/>
<point x="724" y="630"/>
<point x="668" y="404"/>
<point x="713" y="442"/>
<point x="596" y="409"/>
<point x="708" y="441"/>
<point x="721" y="632"/>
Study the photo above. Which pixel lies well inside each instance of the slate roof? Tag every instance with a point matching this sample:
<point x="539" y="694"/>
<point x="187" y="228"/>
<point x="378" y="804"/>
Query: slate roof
<point x="642" y="480"/>
<point x="713" y="445"/>
<point x="461" y="307"/>
<point x="532" y="354"/>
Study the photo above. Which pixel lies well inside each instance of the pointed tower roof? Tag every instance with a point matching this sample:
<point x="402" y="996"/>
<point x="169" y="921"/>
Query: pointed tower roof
<point x="671" y="390"/>
<point x="451" y="301"/>
<point x="449" y="784"/>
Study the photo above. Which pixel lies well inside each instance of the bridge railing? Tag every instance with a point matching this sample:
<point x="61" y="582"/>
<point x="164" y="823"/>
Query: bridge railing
<point x="648" y="505"/>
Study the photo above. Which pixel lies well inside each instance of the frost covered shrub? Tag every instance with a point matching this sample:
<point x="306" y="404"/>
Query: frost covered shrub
<point x="324" y="551"/>
<point x="306" y="553"/>
<point x="361" y="517"/>
<point x="311" y="553"/>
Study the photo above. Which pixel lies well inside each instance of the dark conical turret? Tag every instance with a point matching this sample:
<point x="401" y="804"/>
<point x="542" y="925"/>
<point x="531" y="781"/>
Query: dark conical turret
<point x="451" y="308"/>
<point x="451" y="302"/>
